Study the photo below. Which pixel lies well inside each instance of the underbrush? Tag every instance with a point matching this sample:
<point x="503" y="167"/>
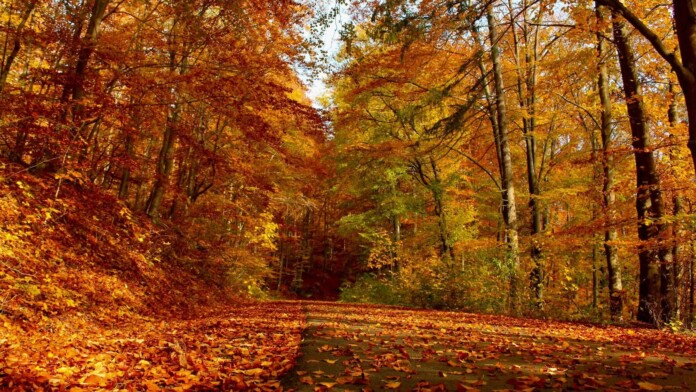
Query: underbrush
<point x="431" y="285"/>
<point x="480" y="284"/>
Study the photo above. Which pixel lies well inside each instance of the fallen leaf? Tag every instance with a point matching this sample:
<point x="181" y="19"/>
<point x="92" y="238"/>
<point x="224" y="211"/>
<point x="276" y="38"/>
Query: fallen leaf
<point x="345" y="380"/>
<point x="254" y="372"/>
<point x="648" y="386"/>
<point x="94" y="380"/>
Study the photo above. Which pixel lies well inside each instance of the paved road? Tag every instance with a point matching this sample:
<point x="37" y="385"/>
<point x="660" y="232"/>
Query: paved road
<point x="361" y="347"/>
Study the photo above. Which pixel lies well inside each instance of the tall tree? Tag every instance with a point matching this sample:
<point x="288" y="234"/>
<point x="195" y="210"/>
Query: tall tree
<point x="649" y="204"/>
<point x="607" y="159"/>
<point x="671" y="283"/>
<point x="507" y="185"/>
<point x="525" y="39"/>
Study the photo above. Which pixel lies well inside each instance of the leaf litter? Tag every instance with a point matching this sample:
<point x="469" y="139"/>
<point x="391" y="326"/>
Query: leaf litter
<point x="246" y="347"/>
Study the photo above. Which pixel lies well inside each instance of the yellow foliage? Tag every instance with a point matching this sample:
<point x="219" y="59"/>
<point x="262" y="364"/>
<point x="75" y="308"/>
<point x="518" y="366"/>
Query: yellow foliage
<point x="265" y="233"/>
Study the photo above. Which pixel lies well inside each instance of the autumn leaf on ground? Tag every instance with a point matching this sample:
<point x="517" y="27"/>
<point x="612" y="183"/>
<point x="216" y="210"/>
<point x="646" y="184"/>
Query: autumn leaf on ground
<point x="647" y="386"/>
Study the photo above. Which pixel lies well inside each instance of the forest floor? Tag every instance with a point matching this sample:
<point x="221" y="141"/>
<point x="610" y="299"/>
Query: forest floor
<point x="317" y="346"/>
<point x="364" y="347"/>
<point x="248" y="346"/>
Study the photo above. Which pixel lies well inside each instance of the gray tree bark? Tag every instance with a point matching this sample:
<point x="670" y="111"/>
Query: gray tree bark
<point x="609" y="197"/>
<point x="508" y="188"/>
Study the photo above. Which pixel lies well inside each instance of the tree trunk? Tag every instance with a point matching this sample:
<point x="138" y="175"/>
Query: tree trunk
<point x="649" y="197"/>
<point x="74" y="86"/>
<point x="692" y="278"/>
<point x="434" y="185"/>
<point x="508" y="188"/>
<point x="165" y="159"/>
<point x="595" y="282"/>
<point x="281" y="260"/>
<point x="17" y="152"/>
<point x="677" y="226"/>
<point x="397" y="240"/>
<point x="437" y="190"/>
<point x="305" y="252"/>
<point x="493" y="119"/>
<point x="609" y="197"/>
<point x="125" y="176"/>
<point x="526" y="95"/>
<point x="16" y="45"/>
<point x="165" y="163"/>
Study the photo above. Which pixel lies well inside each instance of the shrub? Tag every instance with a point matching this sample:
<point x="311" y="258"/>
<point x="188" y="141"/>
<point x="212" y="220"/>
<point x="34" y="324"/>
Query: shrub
<point x="370" y="288"/>
<point x="433" y="284"/>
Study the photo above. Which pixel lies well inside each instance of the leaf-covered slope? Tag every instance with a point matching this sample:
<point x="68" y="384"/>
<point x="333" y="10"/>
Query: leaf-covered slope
<point x="94" y="297"/>
<point x="86" y="251"/>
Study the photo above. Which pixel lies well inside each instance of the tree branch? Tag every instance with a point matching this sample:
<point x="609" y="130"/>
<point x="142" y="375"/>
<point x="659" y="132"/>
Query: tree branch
<point x="617" y="6"/>
<point x="480" y="166"/>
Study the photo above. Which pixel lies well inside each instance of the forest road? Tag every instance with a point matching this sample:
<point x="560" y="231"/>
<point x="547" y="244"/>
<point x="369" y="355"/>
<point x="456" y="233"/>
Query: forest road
<point x="358" y="347"/>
